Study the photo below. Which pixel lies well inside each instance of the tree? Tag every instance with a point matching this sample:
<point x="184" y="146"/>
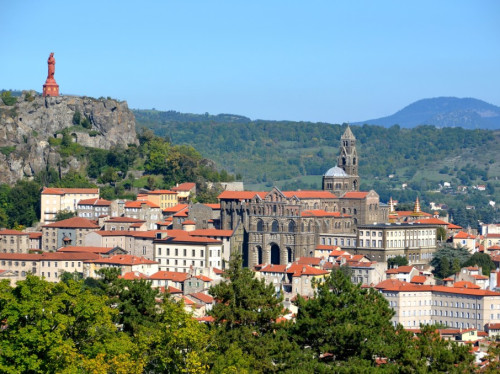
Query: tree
<point x="8" y="99"/>
<point x="245" y="324"/>
<point x="61" y="327"/>
<point x="398" y="260"/>
<point x="483" y="260"/>
<point x="441" y="233"/>
<point x="86" y="123"/>
<point x="443" y="259"/>
<point x="64" y="214"/>
<point x="343" y="321"/>
<point x="77" y="117"/>
<point x="429" y="353"/>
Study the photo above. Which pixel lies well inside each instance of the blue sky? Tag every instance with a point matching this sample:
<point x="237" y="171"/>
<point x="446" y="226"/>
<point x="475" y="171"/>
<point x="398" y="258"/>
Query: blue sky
<point x="299" y="60"/>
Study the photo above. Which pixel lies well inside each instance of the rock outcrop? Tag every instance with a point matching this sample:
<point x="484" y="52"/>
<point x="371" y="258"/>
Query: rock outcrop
<point x="27" y="126"/>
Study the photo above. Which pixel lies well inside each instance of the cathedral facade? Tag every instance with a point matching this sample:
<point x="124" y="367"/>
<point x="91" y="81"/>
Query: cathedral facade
<point x="280" y="226"/>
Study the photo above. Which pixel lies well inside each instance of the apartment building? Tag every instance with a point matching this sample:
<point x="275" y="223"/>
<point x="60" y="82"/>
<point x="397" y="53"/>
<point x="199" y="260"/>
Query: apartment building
<point x="379" y="242"/>
<point x="54" y="200"/>
<point x="93" y="208"/>
<point x="68" y="232"/>
<point x="48" y="265"/>
<point x="126" y="264"/>
<point x="457" y="307"/>
<point x="162" y="198"/>
<point x="13" y="241"/>
<point x="183" y="253"/>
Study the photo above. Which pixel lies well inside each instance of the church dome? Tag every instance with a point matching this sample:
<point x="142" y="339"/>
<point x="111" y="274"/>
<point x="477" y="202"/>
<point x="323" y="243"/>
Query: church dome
<point x="335" y="172"/>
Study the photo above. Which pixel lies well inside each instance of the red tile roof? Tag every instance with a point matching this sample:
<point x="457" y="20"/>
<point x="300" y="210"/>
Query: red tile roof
<point x="169" y="275"/>
<point x="355" y="195"/>
<point x="35" y="235"/>
<point x="139" y="203"/>
<point x="62" y="191"/>
<point x="322" y="213"/>
<point x="207" y="299"/>
<point x="310" y="194"/>
<point x="493" y="326"/>
<point x="95" y="202"/>
<point x="187" y="186"/>
<point x="186" y="238"/>
<point x="182" y="213"/>
<point x="309" y="261"/>
<point x="126" y="260"/>
<point x="205" y="319"/>
<point x="213" y="206"/>
<point x="273" y="269"/>
<point x="400" y="270"/>
<point x="172" y="290"/>
<point x="298" y="270"/>
<point x="465" y="284"/>
<point x="188" y="222"/>
<point x="464" y="235"/>
<point x="124" y="220"/>
<point x="432" y="221"/>
<point x="203" y="278"/>
<point x="133" y="275"/>
<point x="418" y="279"/>
<point x="396" y="285"/>
<point x="212" y="232"/>
<point x="240" y="195"/>
<point x="161" y="192"/>
<point x="452" y="226"/>
<point x="12" y="232"/>
<point x="175" y="208"/>
<point x="74" y="222"/>
<point x="99" y="250"/>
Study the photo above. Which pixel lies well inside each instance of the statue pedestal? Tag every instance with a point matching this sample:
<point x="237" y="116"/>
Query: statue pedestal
<point x="50" y="88"/>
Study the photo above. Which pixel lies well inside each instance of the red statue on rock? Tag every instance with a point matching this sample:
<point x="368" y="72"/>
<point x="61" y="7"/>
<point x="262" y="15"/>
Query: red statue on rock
<point x="51" y="88"/>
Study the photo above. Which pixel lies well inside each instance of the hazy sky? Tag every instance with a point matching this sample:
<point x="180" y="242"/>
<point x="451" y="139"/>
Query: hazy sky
<point x="299" y="60"/>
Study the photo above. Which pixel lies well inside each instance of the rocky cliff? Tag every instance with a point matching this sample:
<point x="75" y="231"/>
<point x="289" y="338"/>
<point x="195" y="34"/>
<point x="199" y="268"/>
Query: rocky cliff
<point x="27" y="126"/>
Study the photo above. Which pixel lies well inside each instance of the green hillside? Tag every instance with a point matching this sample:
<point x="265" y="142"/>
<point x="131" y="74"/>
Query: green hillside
<point x="295" y="154"/>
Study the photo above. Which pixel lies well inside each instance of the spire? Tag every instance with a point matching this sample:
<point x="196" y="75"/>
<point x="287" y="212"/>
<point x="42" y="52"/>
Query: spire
<point x="391" y="206"/>
<point x="348" y="133"/>
<point x="416" y="207"/>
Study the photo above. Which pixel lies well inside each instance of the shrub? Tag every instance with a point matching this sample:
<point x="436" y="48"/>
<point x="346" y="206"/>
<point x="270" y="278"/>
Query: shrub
<point x="8" y="99"/>
<point x="86" y="123"/>
<point x="77" y="117"/>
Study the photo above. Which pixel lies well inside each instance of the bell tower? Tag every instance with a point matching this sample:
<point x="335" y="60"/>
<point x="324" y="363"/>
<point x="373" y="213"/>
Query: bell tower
<point x="348" y="158"/>
<point x="344" y="177"/>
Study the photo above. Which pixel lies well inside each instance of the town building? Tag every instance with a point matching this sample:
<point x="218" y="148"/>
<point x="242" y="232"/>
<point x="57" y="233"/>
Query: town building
<point x="54" y="200"/>
<point x="126" y="263"/>
<point x="162" y="198"/>
<point x="93" y="208"/>
<point x="68" y="232"/>
<point x="415" y="241"/>
<point x="185" y="253"/>
<point x="457" y="307"/>
<point x="185" y="191"/>
<point x="13" y="241"/>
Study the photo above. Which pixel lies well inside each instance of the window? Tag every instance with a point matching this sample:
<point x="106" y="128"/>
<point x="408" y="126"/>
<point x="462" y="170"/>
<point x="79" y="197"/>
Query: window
<point x="193" y="253"/>
<point x="176" y="251"/>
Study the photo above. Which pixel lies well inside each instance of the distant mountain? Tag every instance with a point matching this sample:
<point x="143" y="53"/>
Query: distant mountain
<point x="444" y="112"/>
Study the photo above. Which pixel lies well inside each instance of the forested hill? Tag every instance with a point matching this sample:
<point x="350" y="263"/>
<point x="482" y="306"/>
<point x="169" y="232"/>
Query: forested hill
<point x="270" y="151"/>
<point x="444" y="112"/>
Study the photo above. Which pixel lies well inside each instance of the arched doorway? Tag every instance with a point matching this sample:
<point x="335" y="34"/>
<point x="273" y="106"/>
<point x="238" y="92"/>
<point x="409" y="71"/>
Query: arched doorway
<point x="260" y="260"/>
<point x="289" y="254"/>
<point x="275" y="254"/>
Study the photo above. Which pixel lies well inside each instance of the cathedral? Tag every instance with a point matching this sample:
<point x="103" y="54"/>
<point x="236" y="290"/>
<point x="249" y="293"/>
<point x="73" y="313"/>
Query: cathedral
<point x="280" y="226"/>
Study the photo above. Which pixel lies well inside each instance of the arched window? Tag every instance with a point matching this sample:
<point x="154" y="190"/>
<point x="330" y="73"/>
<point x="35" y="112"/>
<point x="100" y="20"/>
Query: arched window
<point x="291" y="226"/>
<point x="260" y="225"/>
<point x="274" y="226"/>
